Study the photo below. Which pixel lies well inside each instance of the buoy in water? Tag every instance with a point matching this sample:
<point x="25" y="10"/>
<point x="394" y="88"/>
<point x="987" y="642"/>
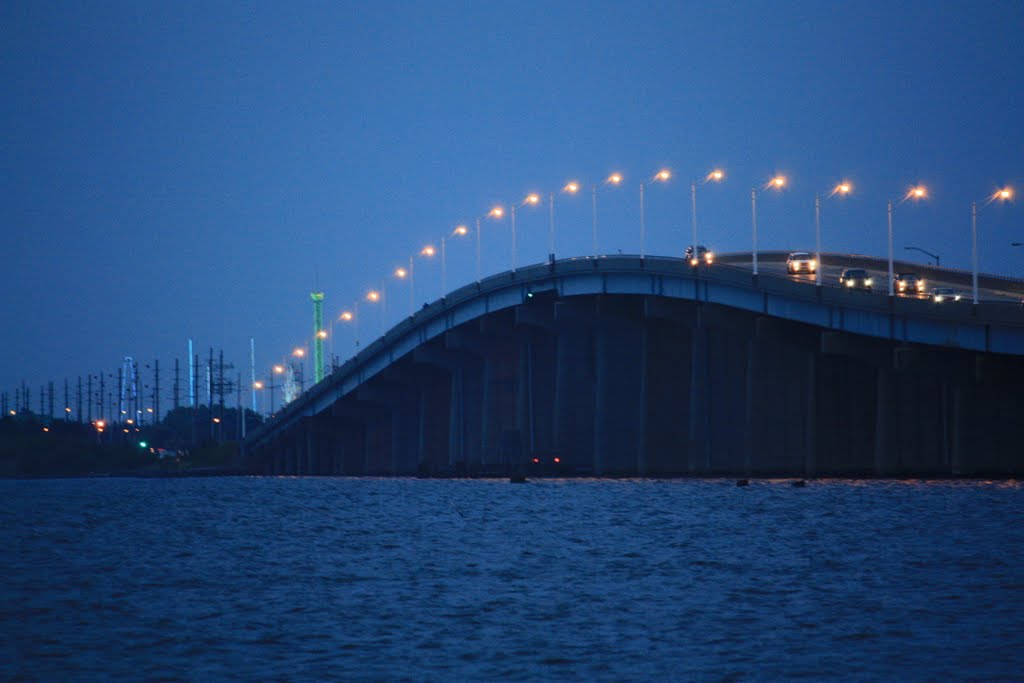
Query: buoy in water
<point x="800" y="483"/>
<point x="743" y="482"/>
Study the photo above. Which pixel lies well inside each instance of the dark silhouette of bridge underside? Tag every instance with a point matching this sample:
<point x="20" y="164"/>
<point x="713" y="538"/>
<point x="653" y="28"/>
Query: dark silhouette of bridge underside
<point x="666" y="378"/>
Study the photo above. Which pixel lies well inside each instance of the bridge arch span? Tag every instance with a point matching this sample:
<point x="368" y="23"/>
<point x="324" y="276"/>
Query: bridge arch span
<point x="629" y="366"/>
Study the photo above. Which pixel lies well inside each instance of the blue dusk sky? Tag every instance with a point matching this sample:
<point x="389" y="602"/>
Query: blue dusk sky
<point x="176" y="170"/>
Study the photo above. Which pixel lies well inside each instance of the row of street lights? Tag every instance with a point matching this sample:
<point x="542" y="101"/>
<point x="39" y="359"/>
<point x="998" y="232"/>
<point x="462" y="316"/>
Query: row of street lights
<point x="496" y="213"/>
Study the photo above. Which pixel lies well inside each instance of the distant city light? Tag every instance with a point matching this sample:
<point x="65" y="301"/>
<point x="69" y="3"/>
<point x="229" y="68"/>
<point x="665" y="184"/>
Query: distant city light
<point x="347" y="316"/>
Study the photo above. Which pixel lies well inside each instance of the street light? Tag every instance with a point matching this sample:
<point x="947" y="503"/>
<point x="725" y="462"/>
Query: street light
<point x="776" y="183"/>
<point x="661" y="176"/>
<point x="938" y="261"/>
<point x="715" y="175"/>
<point x="1003" y="195"/>
<point x="572" y="187"/>
<point x="914" y="193"/>
<point x="300" y="353"/>
<point x="531" y="199"/>
<point x="459" y="231"/>
<point x="496" y="213"/>
<point x="613" y="179"/>
<point x="842" y="189"/>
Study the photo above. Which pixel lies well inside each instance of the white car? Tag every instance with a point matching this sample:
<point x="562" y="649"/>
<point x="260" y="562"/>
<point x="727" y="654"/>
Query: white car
<point x="801" y="262"/>
<point x="940" y="294"/>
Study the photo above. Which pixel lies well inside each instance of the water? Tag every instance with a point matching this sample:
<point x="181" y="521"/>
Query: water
<point x="313" y="579"/>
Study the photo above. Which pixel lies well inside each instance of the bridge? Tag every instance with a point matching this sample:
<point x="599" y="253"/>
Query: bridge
<point x="630" y="366"/>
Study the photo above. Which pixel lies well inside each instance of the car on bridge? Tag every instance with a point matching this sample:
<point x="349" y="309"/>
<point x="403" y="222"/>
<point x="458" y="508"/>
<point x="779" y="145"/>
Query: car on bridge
<point x="908" y="284"/>
<point x="940" y="294"/>
<point x="800" y="262"/>
<point x="856" y="278"/>
<point x="702" y="254"/>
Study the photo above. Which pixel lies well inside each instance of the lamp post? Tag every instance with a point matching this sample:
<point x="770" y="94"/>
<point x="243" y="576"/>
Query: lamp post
<point x="918" y="192"/>
<point x="300" y="353"/>
<point x="715" y="175"/>
<point x="661" y="176"/>
<point x="496" y="213"/>
<point x="278" y="370"/>
<point x="842" y="189"/>
<point x="938" y="261"/>
<point x="531" y="199"/>
<point x="776" y="183"/>
<point x="613" y="179"/>
<point x="459" y="231"/>
<point x="372" y="296"/>
<point x="572" y="187"/>
<point x="1002" y="195"/>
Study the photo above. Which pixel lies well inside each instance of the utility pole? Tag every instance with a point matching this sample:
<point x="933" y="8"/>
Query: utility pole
<point x="42" y="401"/>
<point x="88" y="399"/>
<point x="67" y="402"/>
<point x="156" y="391"/>
<point x="240" y="411"/>
<point x="177" y="386"/>
<point x="192" y="381"/>
<point x="78" y="401"/>
<point x="195" y="384"/>
<point x="102" y="391"/>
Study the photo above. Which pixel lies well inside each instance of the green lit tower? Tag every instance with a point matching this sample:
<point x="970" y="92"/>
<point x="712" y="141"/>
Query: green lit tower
<point x="318" y="335"/>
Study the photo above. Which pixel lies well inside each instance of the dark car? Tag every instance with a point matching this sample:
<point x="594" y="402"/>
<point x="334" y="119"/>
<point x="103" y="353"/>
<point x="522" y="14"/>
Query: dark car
<point x="941" y="294"/>
<point x="703" y="254"/>
<point x="908" y="284"/>
<point x="856" y="278"/>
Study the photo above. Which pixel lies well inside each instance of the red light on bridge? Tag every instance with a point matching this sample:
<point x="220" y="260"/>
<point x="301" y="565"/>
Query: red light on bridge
<point x="536" y="459"/>
<point x="558" y="460"/>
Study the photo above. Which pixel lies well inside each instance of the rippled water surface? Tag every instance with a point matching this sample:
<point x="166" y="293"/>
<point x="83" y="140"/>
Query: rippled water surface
<point x="312" y="579"/>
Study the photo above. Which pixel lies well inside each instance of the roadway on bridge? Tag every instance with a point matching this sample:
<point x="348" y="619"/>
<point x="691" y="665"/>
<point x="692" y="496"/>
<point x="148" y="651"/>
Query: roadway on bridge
<point x="830" y="277"/>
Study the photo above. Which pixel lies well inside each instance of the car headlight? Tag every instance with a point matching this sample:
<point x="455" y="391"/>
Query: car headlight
<point x="920" y="285"/>
<point x="694" y="262"/>
<point x="849" y="283"/>
<point x="709" y="258"/>
<point x="813" y="264"/>
<point x="868" y="282"/>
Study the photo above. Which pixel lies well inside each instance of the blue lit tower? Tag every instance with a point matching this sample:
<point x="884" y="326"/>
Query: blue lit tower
<point x="318" y="335"/>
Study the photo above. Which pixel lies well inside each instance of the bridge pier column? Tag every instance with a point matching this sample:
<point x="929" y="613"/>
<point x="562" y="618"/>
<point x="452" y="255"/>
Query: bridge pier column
<point x="883" y="461"/>
<point x="810" y="382"/>
<point x="574" y="395"/>
<point x="698" y="444"/>
<point x="619" y="411"/>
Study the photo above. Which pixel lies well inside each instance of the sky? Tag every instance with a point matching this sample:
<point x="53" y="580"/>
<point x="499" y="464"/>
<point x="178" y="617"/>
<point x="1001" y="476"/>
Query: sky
<point x="193" y="170"/>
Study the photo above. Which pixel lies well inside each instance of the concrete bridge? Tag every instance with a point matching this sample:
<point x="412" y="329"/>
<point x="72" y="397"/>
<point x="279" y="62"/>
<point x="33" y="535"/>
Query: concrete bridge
<point x="618" y="366"/>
